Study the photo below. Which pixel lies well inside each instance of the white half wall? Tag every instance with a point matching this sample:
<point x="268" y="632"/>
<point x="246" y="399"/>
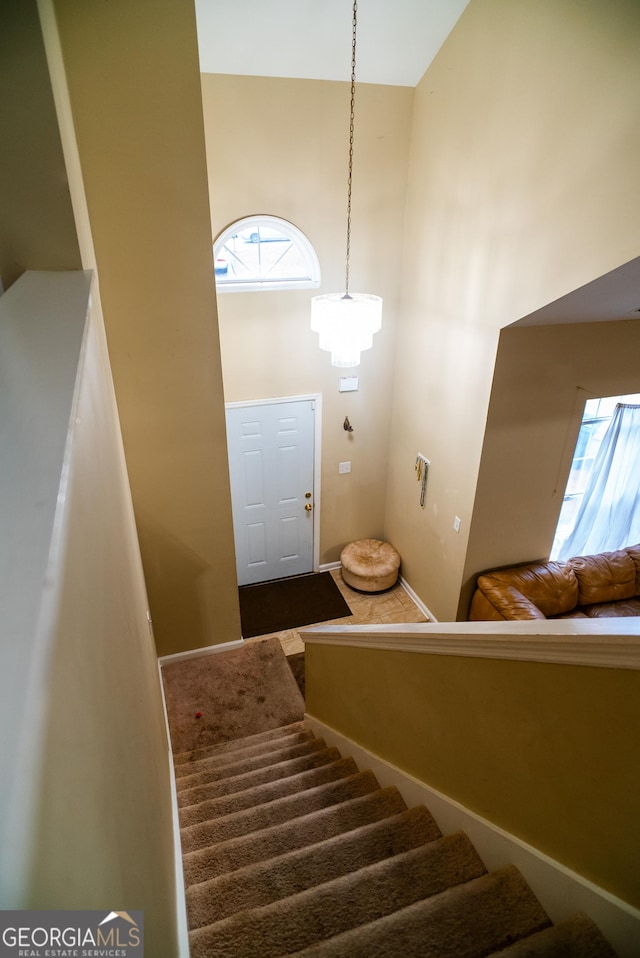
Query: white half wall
<point x="86" y="803"/>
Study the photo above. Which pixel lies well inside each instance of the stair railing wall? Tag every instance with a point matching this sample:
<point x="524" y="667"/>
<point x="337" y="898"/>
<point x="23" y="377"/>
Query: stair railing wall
<point x="85" y="798"/>
<point x="529" y="725"/>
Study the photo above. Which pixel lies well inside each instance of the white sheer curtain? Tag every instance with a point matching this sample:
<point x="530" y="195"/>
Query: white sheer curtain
<point x="609" y="515"/>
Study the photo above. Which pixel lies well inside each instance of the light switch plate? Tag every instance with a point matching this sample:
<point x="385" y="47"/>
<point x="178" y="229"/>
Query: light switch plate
<point x="344" y="467"/>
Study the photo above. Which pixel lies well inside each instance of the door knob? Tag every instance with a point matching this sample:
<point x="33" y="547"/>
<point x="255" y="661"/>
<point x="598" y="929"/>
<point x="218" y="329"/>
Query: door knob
<point x="308" y="507"/>
<point x="307" y="495"/>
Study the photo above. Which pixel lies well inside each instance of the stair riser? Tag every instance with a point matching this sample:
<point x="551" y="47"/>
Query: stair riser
<point x="578" y="937"/>
<point x="277" y="812"/>
<point x="269" y="792"/>
<point x="297" y="833"/>
<point x="287" y="926"/>
<point x="271" y="773"/>
<point x="384" y="845"/>
<point x="212" y="770"/>
<point x="257" y="742"/>
<point x="476" y="918"/>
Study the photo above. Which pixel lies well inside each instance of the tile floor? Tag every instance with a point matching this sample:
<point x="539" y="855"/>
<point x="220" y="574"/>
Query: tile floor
<point x="395" y="605"/>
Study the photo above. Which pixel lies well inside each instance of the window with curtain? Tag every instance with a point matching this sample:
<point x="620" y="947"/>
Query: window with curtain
<point x="601" y="506"/>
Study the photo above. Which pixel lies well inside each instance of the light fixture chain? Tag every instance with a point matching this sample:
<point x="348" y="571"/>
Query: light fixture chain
<point x="346" y="324"/>
<point x="351" y="128"/>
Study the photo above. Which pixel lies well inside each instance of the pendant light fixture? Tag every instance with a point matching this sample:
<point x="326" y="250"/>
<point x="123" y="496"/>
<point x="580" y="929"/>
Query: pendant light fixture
<point x="346" y="323"/>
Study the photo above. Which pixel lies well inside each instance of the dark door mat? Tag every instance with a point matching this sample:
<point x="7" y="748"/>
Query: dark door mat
<point x="290" y="603"/>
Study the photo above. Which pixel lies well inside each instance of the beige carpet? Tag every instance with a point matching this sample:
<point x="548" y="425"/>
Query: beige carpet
<point x="289" y="849"/>
<point x="227" y="695"/>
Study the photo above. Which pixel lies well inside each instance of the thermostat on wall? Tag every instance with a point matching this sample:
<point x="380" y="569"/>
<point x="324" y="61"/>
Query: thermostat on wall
<point x="348" y="384"/>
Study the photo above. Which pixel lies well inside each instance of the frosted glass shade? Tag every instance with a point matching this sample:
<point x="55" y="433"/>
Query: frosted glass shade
<point x="346" y="324"/>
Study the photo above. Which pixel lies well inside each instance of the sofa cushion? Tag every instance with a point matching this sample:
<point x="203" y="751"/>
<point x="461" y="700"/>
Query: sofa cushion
<point x="606" y="577"/>
<point x="534" y="591"/>
<point x="606" y="610"/>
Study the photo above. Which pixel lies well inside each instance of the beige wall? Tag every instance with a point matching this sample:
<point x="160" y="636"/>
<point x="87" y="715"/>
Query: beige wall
<point x="544" y="375"/>
<point x="279" y="147"/>
<point x="547" y="752"/>
<point x="522" y="187"/>
<point x="36" y="227"/>
<point x="132" y="71"/>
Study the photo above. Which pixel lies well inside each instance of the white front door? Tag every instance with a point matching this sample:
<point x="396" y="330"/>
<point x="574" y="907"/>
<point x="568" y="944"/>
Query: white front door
<point x="271" y="447"/>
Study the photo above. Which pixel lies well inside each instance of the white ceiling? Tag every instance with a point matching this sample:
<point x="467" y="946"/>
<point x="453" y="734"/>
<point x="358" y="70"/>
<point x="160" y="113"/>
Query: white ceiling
<point x="311" y="39"/>
<point x="616" y="295"/>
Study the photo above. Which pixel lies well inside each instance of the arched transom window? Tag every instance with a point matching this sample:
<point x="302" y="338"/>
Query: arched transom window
<point x="264" y="252"/>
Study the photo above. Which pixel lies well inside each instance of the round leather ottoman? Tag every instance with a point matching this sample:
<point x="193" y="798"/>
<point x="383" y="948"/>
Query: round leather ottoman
<point x="370" y="565"/>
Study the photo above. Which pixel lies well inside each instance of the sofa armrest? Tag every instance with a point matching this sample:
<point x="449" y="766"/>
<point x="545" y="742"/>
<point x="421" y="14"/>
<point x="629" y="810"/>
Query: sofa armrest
<point x="481" y="609"/>
<point x="505" y="600"/>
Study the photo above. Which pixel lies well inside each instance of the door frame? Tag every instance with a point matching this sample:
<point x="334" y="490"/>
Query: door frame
<point x="316" y="398"/>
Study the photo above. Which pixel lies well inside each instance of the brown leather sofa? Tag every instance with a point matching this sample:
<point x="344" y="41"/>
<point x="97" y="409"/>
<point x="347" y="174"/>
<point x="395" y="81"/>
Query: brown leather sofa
<point x="607" y="584"/>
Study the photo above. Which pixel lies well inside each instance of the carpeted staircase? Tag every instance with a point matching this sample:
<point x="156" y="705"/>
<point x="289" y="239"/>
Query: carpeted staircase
<point x="289" y="849"/>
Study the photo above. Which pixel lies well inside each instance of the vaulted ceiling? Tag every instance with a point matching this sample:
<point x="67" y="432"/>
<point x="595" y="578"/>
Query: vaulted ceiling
<point x="396" y="39"/>
<point x="396" y="42"/>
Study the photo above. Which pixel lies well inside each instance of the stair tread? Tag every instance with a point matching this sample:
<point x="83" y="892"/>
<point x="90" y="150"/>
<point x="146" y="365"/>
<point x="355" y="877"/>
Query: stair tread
<point x="356" y="898"/>
<point x="288" y="849"/>
<point x="277" y="811"/>
<point x="266" y="792"/>
<point x="449" y="924"/>
<point x="232" y="762"/>
<point x="307" y="829"/>
<point x="257" y="776"/>
<point x="262" y="882"/>
<point x="246" y="741"/>
<point x="467" y="921"/>
<point x="577" y="937"/>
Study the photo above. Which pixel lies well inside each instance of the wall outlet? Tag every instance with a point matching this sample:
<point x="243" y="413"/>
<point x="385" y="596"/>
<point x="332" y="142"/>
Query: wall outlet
<point x="344" y="467"/>
<point x="456" y="523"/>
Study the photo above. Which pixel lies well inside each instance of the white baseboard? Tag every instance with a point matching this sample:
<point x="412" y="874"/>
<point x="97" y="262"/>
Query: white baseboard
<point x="181" y="899"/>
<point x="328" y="566"/>
<point x="418" y="601"/>
<point x="196" y="653"/>
<point x="561" y="891"/>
